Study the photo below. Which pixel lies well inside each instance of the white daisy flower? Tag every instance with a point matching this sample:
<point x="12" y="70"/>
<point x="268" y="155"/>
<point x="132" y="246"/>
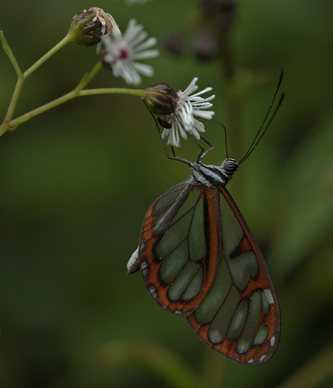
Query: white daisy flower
<point x="182" y="121"/>
<point x="120" y="53"/>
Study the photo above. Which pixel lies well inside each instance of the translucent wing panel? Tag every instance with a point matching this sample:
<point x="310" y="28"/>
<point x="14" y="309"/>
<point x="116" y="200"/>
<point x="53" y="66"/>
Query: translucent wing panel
<point x="165" y="201"/>
<point x="240" y="316"/>
<point x="185" y="225"/>
<point x="216" y="296"/>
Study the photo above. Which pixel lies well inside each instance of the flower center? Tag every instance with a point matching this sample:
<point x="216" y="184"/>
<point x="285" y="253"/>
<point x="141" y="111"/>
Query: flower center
<point x="123" y="53"/>
<point x="180" y="101"/>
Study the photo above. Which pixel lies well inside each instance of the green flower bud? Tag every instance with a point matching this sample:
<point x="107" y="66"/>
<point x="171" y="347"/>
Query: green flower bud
<point x="88" y="27"/>
<point x="160" y="99"/>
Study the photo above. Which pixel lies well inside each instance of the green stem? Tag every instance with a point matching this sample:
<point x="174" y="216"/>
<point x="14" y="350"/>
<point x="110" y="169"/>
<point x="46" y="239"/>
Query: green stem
<point x="7" y="124"/>
<point x="68" y="38"/>
<point x="10" y="54"/>
<point x="19" y="82"/>
<point x="89" y="76"/>
<point x="132" y="92"/>
<point x="14" y="100"/>
<point x="67" y="97"/>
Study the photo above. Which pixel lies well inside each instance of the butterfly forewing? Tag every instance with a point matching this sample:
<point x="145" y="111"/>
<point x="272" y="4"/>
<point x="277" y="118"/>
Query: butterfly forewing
<point x="198" y="259"/>
<point x="173" y="253"/>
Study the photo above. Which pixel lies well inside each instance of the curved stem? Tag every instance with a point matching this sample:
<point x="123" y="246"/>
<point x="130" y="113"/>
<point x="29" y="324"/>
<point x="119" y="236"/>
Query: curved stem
<point x="7" y="124"/>
<point x="14" y="100"/>
<point x="89" y="76"/>
<point x="67" y="97"/>
<point x="9" y="53"/>
<point x="132" y="92"/>
<point x="68" y="38"/>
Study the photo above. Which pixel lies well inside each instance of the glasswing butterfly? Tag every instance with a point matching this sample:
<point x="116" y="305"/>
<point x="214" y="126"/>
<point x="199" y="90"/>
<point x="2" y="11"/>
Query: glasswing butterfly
<point x="198" y="259"/>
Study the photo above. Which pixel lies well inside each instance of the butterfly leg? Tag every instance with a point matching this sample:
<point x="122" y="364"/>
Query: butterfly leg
<point x="174" y="157"/>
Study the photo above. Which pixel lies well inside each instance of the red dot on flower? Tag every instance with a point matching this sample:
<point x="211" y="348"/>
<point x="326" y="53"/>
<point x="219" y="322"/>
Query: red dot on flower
<point x="123" y="54"/>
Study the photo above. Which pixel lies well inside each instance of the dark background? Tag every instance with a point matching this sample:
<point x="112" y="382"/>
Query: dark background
<point x="75" y="183"/>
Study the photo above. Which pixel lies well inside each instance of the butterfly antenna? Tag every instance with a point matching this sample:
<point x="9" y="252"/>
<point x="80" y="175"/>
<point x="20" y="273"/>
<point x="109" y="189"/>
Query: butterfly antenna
<point x="262" y="130"/>
<point x="225" y="137"/>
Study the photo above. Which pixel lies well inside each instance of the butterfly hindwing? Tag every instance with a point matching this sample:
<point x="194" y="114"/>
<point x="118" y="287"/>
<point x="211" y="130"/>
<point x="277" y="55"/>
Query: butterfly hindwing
<point x="240" y="316"/>
<point x="198" y="259"/>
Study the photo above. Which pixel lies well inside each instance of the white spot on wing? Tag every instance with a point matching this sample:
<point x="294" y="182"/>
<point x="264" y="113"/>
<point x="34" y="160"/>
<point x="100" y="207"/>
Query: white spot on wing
<point x="133" y="262"/>
<point x="241" y="348"/>
<point x="251" y="361"/>
<point x="144" y="268"/>
<point x="268" y="295"/>
<point x="272" y="340"/>
<point x="152" y="291"/>
<point x="262" y="358"/>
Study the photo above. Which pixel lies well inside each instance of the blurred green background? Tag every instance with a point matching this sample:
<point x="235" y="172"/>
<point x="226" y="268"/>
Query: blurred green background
<point x="75" y="183"/>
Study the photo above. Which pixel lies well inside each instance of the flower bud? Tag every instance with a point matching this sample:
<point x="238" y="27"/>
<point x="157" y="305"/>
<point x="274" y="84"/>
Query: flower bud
<point x="88" y="27"/>
<point x="160" y="99"/>
<point x="109" y="25"/>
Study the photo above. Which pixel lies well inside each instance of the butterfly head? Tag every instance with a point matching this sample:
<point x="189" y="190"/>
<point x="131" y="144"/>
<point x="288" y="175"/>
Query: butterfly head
<point x="229" y="166"/>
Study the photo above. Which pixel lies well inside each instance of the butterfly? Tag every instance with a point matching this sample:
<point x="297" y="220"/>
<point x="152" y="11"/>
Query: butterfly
<point x="198" y="259"/>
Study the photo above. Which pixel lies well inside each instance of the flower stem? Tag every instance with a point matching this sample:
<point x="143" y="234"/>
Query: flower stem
<point x="10" y="54"/>
<point x="68" y="38"/>
<point x="132" y="92"/>
<point x="70" y="96"/>
<point x="67" y="97"/>
<point x="88" y="76"/>
<point x="7" y="123"/>
<point x="14" y="100"/>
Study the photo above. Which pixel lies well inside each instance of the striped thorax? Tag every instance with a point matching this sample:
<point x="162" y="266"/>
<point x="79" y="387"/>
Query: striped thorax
<point x="210" y="175"/>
